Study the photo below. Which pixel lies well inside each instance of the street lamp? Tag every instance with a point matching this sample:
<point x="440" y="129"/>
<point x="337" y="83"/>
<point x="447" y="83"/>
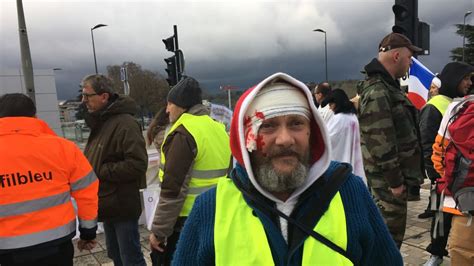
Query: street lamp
<point x="325" y="50"/>
<point x="93" y="45"/>
<point x="464" y="32"/>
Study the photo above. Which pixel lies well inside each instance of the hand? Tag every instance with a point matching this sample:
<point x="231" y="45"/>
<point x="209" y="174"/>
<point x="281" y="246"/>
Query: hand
<point x="86" y="244"/>
<point x="155" y="243"/>
<point x="398" y="191"/>
<point x="355" y="101"/>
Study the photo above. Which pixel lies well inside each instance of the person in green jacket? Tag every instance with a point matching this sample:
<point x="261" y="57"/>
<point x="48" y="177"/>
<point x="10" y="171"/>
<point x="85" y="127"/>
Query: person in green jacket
<point x="389" y="132"/>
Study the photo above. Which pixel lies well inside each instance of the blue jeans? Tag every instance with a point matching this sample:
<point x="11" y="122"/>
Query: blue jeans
<point x="123" y="243"/>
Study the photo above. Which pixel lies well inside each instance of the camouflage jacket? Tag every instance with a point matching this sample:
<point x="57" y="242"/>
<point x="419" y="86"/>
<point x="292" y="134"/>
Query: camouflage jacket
<point x="389" y="130"/>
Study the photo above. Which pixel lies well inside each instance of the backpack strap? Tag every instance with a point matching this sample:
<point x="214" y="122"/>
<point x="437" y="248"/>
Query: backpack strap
<point x="340" y="175"/>
<point x="439" y="218"/>
<point x="329" y="190"/>
<point x="453" y="115"/>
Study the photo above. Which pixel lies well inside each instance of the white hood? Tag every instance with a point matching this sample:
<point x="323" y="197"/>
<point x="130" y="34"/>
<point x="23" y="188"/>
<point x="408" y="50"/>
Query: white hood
<point x="320" y="152"/>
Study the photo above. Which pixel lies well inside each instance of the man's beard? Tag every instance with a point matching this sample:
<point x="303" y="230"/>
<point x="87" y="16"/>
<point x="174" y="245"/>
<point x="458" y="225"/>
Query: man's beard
<point x="274" y="181"/>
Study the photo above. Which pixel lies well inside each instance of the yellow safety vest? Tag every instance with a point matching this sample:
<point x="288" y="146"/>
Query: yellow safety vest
<point x="240" y="239"/>
<point x="441" y="103"/>
<point x="212" y="159"/>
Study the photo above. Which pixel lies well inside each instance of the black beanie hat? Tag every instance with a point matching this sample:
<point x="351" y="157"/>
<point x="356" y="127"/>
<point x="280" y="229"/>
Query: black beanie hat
<point x="186" y="93"/>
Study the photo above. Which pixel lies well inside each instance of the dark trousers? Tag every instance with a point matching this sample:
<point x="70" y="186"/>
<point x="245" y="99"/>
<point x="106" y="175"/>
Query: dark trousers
<point x="60" y="255"/>
<point x="438" y="245"/>
<point x="164" y="258"/>
<point x="123" y="242"/>
<point x="393" y="210"/>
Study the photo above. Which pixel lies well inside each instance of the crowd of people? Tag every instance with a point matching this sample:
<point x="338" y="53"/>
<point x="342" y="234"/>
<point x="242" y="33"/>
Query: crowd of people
<point x="306" y="176"/>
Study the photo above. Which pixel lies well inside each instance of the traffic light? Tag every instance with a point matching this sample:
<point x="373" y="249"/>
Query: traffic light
<point x="424" y="38"/>
<point x="170" y="43"/>
<point x="406" y="18"/>
<point x="174" y="64"/>
<point x="172" y="70"/>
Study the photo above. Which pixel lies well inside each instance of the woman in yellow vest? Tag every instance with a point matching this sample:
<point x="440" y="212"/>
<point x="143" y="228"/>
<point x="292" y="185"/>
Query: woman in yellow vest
<point x="271" y="210"/>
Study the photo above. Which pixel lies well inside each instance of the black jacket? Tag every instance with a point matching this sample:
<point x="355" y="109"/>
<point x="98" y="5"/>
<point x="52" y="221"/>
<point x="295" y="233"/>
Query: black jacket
<point x="116" y="150"/>
<point x="430" y="119"/>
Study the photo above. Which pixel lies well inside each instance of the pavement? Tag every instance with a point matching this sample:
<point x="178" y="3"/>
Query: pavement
<point x="417" y="237"/>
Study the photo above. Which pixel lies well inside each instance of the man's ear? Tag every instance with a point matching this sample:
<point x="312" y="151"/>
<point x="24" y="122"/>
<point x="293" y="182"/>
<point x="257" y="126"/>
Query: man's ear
<point x="105" y="97"/>
<point x="396" y="55"/>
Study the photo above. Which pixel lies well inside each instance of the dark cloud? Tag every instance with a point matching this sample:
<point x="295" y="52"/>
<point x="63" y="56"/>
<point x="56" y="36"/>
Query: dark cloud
<point x="224" y="43"/>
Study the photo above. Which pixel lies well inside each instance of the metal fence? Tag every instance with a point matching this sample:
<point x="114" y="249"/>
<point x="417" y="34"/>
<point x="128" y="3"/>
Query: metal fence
<point x="76" y="132"/>
<point x="79" y="132"/>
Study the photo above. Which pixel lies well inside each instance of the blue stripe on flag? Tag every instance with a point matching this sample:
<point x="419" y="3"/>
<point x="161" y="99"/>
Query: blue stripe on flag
<point x="422" y="73"/>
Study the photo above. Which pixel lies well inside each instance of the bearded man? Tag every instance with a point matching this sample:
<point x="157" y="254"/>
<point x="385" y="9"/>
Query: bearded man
<point x="285" y="202"/>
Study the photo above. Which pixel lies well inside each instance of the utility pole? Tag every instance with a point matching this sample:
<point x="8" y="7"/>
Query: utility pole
<point x="228" y="88"/>
<point x="325" y="51"/>
<point x="26" y="64"/>
<point x="124" y="79"/>
<point x="177" y="53"/>
<point x="93" y="44"/>
<point x="464" y="33"/>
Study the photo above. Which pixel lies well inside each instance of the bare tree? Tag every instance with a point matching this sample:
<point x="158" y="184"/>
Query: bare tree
<point x="147" y="88"/>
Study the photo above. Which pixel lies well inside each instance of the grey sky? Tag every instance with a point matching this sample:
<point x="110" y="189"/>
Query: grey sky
<point x="224" y="42"/>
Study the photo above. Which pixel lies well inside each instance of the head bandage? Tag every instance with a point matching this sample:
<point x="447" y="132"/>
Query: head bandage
<point x="274" y="100"/>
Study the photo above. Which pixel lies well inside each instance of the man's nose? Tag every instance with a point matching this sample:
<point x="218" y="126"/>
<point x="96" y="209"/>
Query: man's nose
<point x="284" y="137"/>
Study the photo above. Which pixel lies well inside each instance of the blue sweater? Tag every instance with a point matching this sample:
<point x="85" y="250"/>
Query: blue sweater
<point x="369" y="242"/>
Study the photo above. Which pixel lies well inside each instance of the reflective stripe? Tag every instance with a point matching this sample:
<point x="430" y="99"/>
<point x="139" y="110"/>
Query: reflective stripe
<point x="84" y="181"/>
<point x="199" y="190"/>
<point x="34" y="205"/>
<point x="37" y="238"/>
<point x="208" y="173"/>
<point x="88" y="224"/>
<point x="211" y="160"/>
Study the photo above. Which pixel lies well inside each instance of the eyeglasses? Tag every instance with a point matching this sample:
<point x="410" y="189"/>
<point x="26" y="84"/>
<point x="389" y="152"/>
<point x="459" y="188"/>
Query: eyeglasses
<point x="87" y="95"/>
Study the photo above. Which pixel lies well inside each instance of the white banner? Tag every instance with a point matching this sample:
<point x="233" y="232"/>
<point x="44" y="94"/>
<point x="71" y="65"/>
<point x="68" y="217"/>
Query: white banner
<point x="151" y="197"/>
<point x="222" y="114"/>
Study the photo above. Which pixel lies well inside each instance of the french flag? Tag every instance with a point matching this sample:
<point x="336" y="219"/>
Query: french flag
<point x="419" y="82"/>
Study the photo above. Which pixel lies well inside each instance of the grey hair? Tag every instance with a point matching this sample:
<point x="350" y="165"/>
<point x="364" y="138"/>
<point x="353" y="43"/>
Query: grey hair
<point x="273" y="181"/>
<point x="99" y="83"/>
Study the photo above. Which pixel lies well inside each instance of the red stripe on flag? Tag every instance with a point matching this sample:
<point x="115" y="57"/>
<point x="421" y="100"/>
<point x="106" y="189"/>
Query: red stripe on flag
<point x="417" y="100"/>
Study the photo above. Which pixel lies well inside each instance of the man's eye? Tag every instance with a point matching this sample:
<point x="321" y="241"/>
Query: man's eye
<point x="266" y="125"/>
<point x="297" y="123"/>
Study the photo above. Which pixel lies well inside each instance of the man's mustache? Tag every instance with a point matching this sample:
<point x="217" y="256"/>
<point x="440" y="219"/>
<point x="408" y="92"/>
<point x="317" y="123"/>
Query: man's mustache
<point x="282" y="152"/>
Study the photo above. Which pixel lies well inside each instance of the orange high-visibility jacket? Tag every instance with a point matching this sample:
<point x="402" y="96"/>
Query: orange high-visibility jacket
<point x="39" y="173"/>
